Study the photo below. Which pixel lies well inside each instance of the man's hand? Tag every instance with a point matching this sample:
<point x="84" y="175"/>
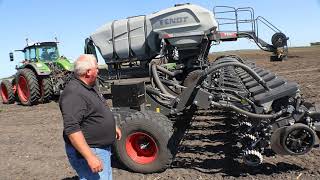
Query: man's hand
<point x="78" y="141"/>
<point x="118" y="133"/>
<point x="95" y="164"/>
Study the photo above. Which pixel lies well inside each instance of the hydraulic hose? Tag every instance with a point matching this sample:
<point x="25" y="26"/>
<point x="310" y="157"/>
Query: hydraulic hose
<point x="158" y="82"/>
<point x="157" y="93"/>
<point x="314" y="114"/>
<point x="206" y="72"/>
<point x="166" y="71"/>
<point x="249" y="114"/>
<point x="172" y="83"/>
<point x="152" y="91"/>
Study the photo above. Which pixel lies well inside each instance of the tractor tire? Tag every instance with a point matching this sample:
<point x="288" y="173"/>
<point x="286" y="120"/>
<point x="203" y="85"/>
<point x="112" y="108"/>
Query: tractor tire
<point x="192" y="77"/>
<point x="14" y="85"/>
<point x="146" y="144"/>
<point x="46" y="90"/>
<point x="7" y="92"/>
<point x="27" y="87"/>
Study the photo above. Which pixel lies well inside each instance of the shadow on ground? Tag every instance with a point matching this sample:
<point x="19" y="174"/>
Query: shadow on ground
<point x="217" y="152"/>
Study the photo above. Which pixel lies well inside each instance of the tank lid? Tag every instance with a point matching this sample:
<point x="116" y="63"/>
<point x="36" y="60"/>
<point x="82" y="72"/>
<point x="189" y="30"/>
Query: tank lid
<point x="181" y="4"/>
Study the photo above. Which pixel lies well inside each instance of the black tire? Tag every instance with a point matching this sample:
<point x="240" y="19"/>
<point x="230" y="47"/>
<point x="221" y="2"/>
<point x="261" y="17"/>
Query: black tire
<point x="46" y="90"/>
<point x="146" y="136"/>
<point x="27" y="87"/>
<point x="279" y="40"/>
<point x="192" y="77"/>
<point x="16" y="97"/>
<point x="7" y="92"/>
<point x="311" y="138"/>
<point x="279" y="137"/>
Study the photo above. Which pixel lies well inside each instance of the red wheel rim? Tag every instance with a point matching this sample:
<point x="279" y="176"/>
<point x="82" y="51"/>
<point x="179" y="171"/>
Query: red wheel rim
<point x="23" y="89"/>
<point x="4" y="93"/>
<point x="141" y="148"/>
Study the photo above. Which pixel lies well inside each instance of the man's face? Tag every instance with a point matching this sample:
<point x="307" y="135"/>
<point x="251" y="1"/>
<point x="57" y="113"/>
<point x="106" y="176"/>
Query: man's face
<point x="93" y="74"/>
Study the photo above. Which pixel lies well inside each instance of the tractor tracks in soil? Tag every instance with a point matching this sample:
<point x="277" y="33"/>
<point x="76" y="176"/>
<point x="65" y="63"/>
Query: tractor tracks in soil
<point x="299" y="71"/>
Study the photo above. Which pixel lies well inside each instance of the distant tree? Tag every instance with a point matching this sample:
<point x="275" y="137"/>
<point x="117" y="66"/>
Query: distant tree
<point x="315" y="43"/>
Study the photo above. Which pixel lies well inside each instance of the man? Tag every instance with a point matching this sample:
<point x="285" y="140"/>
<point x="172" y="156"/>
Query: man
<point x="89" y="126"/>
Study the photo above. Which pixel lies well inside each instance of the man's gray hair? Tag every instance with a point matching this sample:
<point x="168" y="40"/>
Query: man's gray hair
<point x="84" y="63"/>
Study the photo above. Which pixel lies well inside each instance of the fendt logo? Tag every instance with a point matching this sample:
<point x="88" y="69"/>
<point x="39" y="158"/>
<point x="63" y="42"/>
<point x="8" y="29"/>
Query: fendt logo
<point x="176" y="20"/>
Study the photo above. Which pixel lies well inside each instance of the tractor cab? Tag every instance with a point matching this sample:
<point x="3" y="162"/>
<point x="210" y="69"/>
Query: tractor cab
<point x="43" y="51"/>
<point x="41" y="74"/>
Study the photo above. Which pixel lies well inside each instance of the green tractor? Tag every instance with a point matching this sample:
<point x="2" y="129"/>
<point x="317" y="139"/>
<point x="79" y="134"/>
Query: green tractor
<point x="40" y="76"/>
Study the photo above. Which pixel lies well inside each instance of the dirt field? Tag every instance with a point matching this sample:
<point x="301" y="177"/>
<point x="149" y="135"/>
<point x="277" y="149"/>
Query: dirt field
<point x="32" y="146"/>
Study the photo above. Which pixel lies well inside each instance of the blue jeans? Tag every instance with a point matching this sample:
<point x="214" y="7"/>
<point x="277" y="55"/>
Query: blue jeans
<point x="80" y="165"/>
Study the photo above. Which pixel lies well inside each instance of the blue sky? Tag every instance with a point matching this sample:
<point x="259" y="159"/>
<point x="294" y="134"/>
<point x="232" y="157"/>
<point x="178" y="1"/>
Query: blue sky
<point x="74" y="20"/>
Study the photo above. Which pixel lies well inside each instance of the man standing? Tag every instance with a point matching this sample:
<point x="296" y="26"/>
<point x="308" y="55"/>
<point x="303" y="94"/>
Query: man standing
<point x="89" y="126"/>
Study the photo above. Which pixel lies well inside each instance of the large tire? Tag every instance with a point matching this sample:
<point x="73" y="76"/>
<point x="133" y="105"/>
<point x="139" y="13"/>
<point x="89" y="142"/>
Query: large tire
<point x="7" y="92"/>
<point x="27" y="87"/>
<point x="14" y="85"/>
<point x="146" y="145"/>
<point x="192" y="77"/>
<point x="46" y="90"/>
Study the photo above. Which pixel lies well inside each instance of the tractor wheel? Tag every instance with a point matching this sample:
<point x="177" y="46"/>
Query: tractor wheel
<point x="7" y="92"/>
<point x="14" y="85"/>
<point x="146" y="145"/>
<point x="46" y="90"/>
<point x="191" y="77"/>
<point x="27" y="87"/>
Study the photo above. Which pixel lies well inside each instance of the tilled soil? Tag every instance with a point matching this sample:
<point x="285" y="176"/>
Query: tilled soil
<point x="32" y="146"/>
